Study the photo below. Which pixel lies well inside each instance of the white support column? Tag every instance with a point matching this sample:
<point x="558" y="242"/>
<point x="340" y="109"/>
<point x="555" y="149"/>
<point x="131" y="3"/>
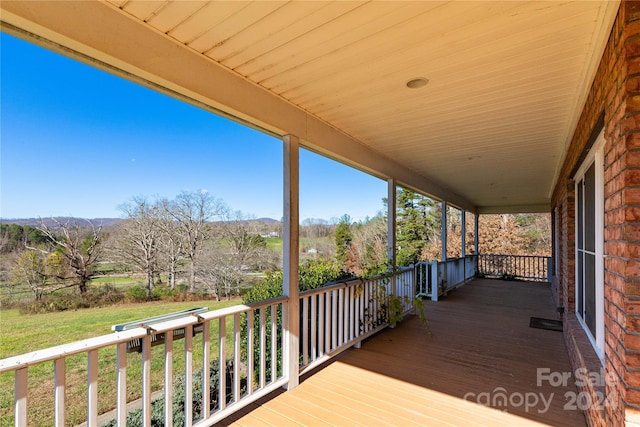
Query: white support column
<point x="60" y="384"/>
<point x="21" y="392"/>
<point x="476" y="237"/>
<point x="463" y="232"/>
<point x="391" y="225"/>
<point x="290" y="255"/>
<point x="443" y="229"/>
<point x="463" y="242"/>
<point x="443" y="237"/>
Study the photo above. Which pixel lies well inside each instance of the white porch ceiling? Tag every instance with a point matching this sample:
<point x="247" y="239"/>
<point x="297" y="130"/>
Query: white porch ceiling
<point x="507" y="80"/>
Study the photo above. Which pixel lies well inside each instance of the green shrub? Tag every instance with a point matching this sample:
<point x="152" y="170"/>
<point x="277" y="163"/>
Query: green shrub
<point x="63" y="300"/>
<point x="312" y="274"/>
<point x="134" y="418"/>
<point x="162" y="292"/>
<point x="104" y="295"/>
<point x="136" y="293"/>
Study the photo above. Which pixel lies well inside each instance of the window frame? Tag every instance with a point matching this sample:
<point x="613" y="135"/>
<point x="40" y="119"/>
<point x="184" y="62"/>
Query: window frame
<point x="594" y="157"/>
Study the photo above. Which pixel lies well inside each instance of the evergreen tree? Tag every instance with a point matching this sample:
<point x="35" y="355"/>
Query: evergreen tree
<point x="343" y="238"/>
<point x="417" y="225"/>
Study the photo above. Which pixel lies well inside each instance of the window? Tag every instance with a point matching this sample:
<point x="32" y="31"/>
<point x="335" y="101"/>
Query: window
<point x="589" y="245"/>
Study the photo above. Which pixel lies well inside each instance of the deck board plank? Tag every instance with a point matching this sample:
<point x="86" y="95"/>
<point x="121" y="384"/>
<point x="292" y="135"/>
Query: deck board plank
<point x="480" y="342"/>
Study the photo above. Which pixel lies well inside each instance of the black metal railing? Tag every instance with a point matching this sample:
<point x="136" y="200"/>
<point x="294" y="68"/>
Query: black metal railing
<point x="515" y="267"/>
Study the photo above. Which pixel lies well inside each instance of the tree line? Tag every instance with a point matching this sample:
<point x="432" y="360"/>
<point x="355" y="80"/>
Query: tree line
<point x="194" y="233"/>
<point x="214" y="249"/>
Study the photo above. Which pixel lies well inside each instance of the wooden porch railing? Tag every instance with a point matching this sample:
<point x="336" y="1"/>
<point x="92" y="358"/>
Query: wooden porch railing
<point x="337" y="317"/>
<point x="437" y="278"/>
<point x="521" y="267"/>
<point x="250" y="365"/>
<point x="332" y="319"/>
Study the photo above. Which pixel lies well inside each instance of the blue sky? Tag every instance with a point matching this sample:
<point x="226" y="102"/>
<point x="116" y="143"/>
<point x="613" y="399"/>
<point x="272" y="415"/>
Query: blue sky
<point x="80" y="142"/>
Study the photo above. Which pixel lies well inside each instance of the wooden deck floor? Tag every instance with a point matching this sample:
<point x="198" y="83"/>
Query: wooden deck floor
<point x="480" y="345"/>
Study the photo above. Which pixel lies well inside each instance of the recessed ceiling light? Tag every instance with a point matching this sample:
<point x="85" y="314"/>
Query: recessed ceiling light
<point x="417" y="83"/>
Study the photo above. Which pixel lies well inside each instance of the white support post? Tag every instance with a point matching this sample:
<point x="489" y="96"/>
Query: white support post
<point x="443" y="229"/>
<point x="188" y="376"/>
<point x="168" y="379"/>
<point x="92" y="388"/>
<point x="391" y="231"/>
<point x="476" y="236"/>
<point x="290" y="255"/>
<point x="434" y="281"/>
<point x="206" y="362"/>
<point x="21" y="391"/>
<point x="463" y="250"/>
<point x="121" y="384"/>
<point x="146" y="381"/>
<point x="60" y="383"/>
<point x="463" y="231"/>
<point x="443" y="237"/>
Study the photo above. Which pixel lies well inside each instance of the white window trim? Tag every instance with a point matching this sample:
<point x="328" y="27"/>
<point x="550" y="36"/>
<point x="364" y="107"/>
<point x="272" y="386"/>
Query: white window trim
<point x="595" y="155"/>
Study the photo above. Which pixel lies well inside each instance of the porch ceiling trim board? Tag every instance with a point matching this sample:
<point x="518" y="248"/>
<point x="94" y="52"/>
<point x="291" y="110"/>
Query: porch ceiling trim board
<point x="152" y="59"/>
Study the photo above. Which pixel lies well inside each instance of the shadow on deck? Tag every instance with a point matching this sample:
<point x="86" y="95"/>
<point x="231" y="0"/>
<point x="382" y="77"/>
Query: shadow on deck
<point x="481" y="347"/>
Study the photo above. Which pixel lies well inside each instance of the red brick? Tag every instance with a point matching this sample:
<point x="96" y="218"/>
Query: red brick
<point x="631" y="123"/>
<point x="632" y="140"/>
<point x="633" y="324"/>
<point x="631" y="195"/>
<point x="616" y="298"/>
<point x="632" y="342"/>
<point x="631" y="11"/>
<point x="631" y="288"/>
<point x="632" y="159"/>
<point x="632" y="29"/>
<point x="619" y="148"/>
<point x="633" y="101"/>
<point x="631" y="176"/>
<point x="631" y="232"/>
<point x="632" y="250"/>
<point x="633" y="65"/>
<point x="632" y="213"/>
<point x="615" y="232"/>
<point x="614" y="201"/>
<point x="631" y="268"/>
<point x="632" y="306"/>
<point x="632" y="396"/>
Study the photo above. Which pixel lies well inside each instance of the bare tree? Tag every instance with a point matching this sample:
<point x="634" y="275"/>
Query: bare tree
<point x="192" y="211"/>
<point x="367" y="254"/>
<point x="30" y="269"/>
<point x="172" y="243"/>
<point x="316" y="228"/>
<point x="79" y="247"/>
<point x="220" y="271"/>
<point x="237" y="248"/>
<point x="137" y="238"/>
<point x="243" y="241"/>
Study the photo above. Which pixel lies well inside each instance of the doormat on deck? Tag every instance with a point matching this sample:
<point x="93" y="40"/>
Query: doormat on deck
<point x="550" y="324"/>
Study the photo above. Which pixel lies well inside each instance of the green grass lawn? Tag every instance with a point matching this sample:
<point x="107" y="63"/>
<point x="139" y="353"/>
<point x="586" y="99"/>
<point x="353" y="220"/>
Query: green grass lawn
<point x="117" y="280"/>
<point x="274" y="243"/>
<point x="20" y="333"/>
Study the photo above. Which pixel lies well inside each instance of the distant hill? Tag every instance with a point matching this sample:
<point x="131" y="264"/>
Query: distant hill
<point x="104" y="222"/>
<point x="267" y="220"/>
<point x="51" y="222"/>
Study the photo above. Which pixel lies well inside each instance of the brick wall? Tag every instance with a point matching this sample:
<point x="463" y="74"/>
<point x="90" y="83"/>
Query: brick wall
<point x="616" y="93"/>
